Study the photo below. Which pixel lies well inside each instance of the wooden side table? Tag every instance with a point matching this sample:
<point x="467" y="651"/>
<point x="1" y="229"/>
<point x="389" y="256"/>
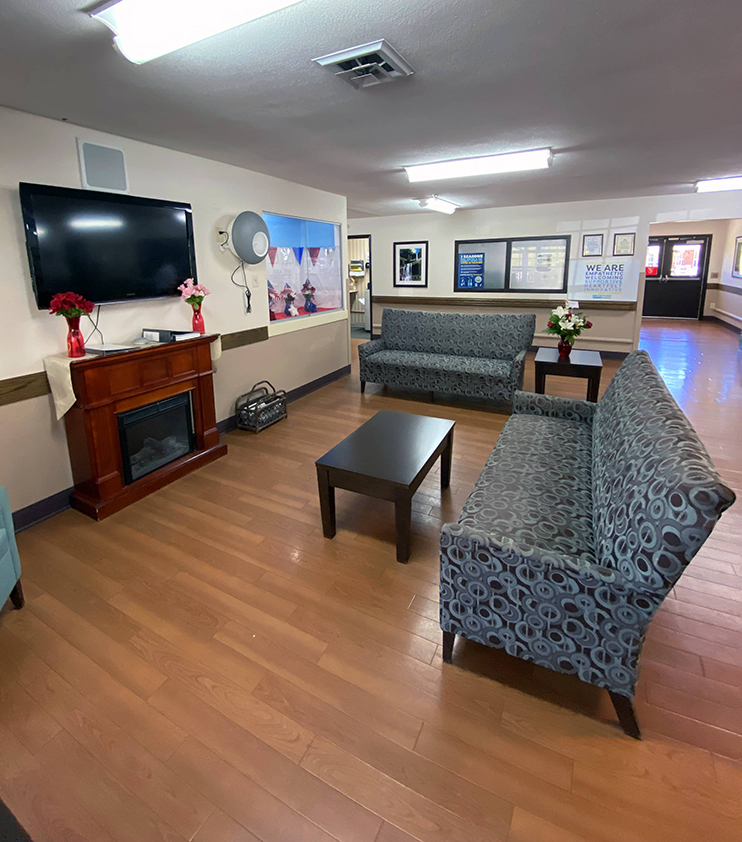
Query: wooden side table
<point x="580" y="364"/>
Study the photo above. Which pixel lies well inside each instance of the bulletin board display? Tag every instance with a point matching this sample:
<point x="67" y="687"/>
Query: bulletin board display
<point x="514" y="264"/>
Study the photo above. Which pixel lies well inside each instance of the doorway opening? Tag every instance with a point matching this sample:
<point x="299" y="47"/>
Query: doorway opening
<point x="360" y="286"/>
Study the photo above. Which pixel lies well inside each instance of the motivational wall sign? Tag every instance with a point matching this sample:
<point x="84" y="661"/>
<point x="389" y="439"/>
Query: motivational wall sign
<point x="615" y="279"/>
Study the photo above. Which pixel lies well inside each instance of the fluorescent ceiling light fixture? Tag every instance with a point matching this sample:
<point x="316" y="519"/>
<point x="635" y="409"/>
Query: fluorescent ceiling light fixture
<point x="712" y="185"/>
<point x="147" y="29"/>
<point x="436" y="204"/>
<point x="535" y="159"/>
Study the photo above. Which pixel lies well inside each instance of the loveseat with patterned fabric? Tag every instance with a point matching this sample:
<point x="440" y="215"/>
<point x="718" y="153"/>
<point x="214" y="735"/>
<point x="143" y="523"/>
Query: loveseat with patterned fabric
<point x="582" y="521"/>
<point x="472" y="354"/>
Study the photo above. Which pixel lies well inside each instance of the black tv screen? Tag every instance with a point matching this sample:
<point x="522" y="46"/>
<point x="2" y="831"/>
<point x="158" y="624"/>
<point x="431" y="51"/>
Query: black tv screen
<point x="105" y="246"/>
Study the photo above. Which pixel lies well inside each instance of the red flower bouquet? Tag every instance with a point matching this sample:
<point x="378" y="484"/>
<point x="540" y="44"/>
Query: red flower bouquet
<point x="72" y="306"/>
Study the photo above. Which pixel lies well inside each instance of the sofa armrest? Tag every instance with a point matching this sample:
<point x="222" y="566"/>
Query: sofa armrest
<point x="368" y="348"/>
<point x="6" y="523"/>
<point x="529" y="403"/>
<point x="568" y="614"/>
<point x="517" y="370"/>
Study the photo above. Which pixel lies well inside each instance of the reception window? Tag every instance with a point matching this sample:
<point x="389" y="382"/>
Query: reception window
<point x="304" y="268"/>
<point x="526" y="264"/>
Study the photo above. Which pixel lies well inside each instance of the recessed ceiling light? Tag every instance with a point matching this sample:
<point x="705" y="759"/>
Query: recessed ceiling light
<point x="147" y="29"/>
<point x="436" y="204"/>
<point x="712" y="185"/>
<point x="535" y="159"/>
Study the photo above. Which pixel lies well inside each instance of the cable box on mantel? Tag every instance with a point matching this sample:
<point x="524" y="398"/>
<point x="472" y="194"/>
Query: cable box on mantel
<point x="141" y="419"/>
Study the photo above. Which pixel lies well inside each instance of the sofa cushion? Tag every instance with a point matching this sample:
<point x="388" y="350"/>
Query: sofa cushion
<point x="536" y="488"/>
<point x="487" y="335"/>
<point x="656" y="493"/>
<point x="441" y="362"/>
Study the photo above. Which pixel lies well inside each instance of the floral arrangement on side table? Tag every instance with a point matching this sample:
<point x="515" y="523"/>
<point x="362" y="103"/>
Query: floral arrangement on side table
<point x="567" y="324"/>
<point x="72" y="306"/>
<point x="194" y="295"/>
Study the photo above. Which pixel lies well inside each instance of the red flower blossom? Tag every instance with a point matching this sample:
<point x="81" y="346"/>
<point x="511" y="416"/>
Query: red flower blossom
<point x="588" y="324"/>
<point x="69" y="305"/>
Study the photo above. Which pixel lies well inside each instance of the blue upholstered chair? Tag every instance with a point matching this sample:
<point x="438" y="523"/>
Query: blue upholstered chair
<point x="10" y="563"/>
<point x="582" y="521"/>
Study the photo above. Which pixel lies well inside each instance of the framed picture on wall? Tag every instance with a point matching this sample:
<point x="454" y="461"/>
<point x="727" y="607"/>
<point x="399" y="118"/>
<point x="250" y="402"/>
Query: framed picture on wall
<point x="411" y="264"/>
<point x="592" y="245"/>
<point x="623" y="245"/>
<point x="737" y="262"/>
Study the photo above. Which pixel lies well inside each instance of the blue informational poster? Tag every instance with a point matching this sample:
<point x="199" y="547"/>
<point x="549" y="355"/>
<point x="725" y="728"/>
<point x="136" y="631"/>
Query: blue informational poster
<point x="471" y="271"/>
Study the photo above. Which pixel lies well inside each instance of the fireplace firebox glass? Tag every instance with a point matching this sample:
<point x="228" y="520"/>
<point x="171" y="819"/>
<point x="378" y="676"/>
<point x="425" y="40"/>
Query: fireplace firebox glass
<point x="155" y="435"/>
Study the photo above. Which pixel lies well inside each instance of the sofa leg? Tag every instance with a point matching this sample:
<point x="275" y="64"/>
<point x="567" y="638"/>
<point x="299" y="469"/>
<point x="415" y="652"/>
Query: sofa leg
<point x="626" y="715"/>
<point x="449" y="638"/>
<point x="16" y="596"/>
<point x="432" y="397"/>
<point x="363" y="386"/>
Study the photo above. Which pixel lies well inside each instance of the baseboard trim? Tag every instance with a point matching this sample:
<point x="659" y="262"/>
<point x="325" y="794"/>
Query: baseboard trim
<point x="229" y="424"/>
<point x="56" y="503"/>
<point x="723" y="323"/>
<point x="312" y="386"/>
<point x="42" y="510"/>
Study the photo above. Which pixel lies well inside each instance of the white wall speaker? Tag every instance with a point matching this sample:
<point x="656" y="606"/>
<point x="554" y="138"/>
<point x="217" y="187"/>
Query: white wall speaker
<point x="102" y="167"/>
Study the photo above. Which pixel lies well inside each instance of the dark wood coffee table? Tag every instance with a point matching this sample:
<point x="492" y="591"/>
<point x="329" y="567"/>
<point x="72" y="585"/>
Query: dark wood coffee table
<point x="388" y="457"/>
<point x="580" y="364"/>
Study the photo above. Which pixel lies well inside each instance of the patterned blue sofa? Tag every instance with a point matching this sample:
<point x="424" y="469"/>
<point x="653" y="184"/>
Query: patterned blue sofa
<point x="583" y="519"/>
<point x="477" y="355"/>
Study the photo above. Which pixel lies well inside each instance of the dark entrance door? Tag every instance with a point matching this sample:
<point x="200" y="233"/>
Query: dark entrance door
<point x="676" y="276"/>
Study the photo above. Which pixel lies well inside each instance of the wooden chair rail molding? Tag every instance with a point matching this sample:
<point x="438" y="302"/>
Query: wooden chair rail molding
<point x="725" y="288"/>
<point x="34" y="385"/>
<point x="467" y="300"/>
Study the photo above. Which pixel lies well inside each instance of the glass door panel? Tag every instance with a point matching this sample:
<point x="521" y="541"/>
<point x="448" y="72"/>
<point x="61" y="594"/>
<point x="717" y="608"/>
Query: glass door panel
<point x="686" y="260"/>
<point x="654" y="259"/>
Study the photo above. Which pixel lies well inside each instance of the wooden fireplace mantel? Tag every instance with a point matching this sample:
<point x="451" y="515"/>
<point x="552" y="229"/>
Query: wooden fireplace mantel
<point x="107" y="386"/>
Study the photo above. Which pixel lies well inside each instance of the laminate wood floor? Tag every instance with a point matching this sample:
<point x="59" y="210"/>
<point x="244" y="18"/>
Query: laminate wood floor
<point x="206" y="666"/>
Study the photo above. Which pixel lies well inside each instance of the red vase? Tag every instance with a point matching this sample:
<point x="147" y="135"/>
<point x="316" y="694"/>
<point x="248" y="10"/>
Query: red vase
<point x="565" y="347"/>
<point x="75" y="342"/>
<point x="198" y="321"/>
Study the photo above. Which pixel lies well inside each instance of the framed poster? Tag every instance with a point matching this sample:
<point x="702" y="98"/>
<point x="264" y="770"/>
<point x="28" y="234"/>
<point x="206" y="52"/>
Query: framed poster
<point x="592" y="245"/>
<point x="539" y="264"/>
<point x="411" y="264"/>
<point x="480" y="265"/>
<point x="737" y="262"/>
<point x="623" y="245"/>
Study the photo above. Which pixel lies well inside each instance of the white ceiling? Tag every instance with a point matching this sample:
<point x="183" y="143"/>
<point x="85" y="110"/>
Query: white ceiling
<point x="635" y="97"/>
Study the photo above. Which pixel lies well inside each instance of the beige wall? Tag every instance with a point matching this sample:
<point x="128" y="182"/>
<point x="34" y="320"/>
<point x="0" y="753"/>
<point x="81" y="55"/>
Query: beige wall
<point x="613" y="330"/>
<point x="33" y="461"/>
<point x="724" y="304"/>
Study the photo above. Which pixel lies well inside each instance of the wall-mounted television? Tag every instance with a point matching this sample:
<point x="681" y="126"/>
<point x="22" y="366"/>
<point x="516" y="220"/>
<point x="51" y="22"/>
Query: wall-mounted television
<point x="105" y="246"/>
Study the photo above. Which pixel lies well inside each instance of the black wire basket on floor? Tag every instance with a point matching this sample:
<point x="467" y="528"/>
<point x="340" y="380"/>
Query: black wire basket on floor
<point x="260" y="407"/>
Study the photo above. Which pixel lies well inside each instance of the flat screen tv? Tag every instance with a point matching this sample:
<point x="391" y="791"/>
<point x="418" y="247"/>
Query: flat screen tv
<point x="105" y="246"/>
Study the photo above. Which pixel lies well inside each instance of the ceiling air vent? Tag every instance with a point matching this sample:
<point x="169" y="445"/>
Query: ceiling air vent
<point x="367" y="65"/>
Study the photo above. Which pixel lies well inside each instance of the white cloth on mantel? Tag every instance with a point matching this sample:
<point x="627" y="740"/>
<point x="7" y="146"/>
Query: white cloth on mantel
<point x="59" y="375"/>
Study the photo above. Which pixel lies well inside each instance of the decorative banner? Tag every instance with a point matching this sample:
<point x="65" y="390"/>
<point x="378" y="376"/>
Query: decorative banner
<point x="313" y="254"/>
<point x="615" y="279"/>
<point x="298" y="251"/>
<point x="272" y="254"/>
